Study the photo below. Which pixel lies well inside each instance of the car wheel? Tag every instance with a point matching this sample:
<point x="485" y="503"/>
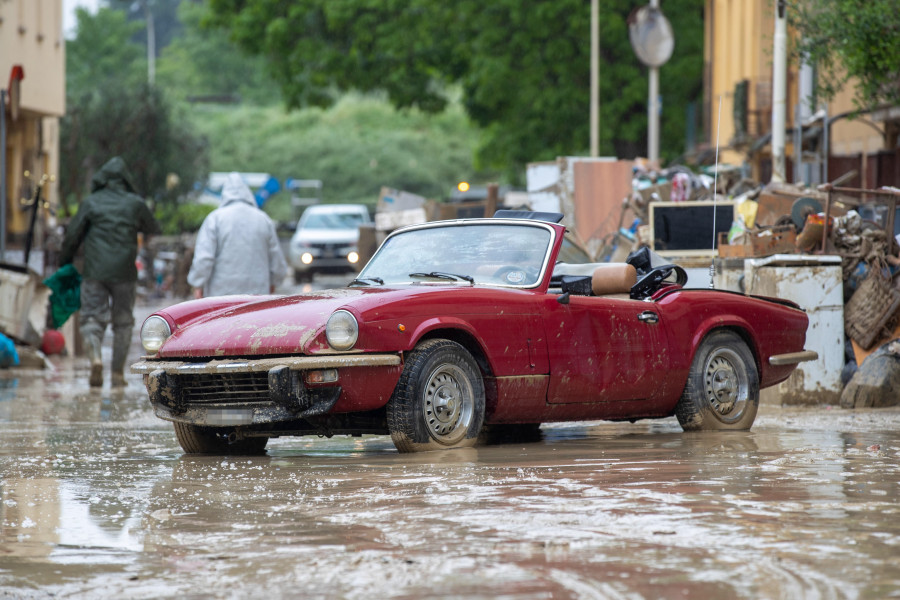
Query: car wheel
<point x="722" y="391"/>
<point x="210" y="440"/>
<point x="302" y="276"/>
<point x="439" y="400"/>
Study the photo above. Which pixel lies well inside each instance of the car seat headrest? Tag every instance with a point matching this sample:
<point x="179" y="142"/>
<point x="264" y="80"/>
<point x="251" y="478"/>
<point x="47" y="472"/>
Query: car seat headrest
<point x="613" y="278"/>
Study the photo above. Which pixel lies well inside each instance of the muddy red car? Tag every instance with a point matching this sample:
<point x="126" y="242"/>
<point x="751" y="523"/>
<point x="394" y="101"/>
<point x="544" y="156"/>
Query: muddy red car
<point x="458" y="329"/>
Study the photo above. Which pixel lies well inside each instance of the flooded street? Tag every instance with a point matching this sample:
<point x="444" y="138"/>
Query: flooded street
<point x="97" y="500"/>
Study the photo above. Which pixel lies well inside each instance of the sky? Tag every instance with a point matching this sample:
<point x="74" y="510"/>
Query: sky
<point x="69" y="7"/>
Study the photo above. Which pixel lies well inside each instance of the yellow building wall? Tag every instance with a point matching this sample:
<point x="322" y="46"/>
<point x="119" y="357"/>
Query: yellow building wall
<point x="853" y="136"/>
<point x="31" y="36"/>
<point x="740" y="41"/>
<point x="739" y="46"/>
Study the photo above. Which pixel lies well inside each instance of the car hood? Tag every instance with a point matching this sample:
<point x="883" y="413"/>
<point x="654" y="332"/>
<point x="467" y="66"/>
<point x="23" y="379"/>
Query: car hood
<point x="283" y="325"/>
<point x="291" y="325"/>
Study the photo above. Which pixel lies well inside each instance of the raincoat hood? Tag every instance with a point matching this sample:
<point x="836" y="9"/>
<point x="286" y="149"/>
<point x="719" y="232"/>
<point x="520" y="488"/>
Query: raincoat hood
<point x="237" y="250"/>
<point x="114" y="174"/>
<point x="235" y="190"/>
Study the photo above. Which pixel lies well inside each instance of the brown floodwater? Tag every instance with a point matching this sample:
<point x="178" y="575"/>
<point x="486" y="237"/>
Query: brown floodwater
<point x="96" y="499"/>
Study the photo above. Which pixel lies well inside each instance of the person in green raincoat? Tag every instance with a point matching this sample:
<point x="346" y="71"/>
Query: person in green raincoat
<point x="107" y="224"/>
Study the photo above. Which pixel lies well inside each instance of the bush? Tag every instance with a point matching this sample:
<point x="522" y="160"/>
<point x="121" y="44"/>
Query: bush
<point x="355" y="147"/>
<point x="182" y="218"/>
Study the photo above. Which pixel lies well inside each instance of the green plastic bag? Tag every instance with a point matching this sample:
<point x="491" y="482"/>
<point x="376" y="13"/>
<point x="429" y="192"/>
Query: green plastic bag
<point x="66" y="297"/>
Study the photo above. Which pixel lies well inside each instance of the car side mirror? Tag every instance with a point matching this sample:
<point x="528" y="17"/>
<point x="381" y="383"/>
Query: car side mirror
<point x="564" y="299"/>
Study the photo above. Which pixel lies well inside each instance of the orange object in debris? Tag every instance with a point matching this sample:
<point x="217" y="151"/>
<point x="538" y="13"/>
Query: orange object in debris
<point x="813" y="229"/>
<point x="818" y="219"/>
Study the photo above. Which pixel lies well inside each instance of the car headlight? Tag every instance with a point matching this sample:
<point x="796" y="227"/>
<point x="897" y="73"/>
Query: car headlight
<point x="342" y="330"/>
<point x="154" y="332"/>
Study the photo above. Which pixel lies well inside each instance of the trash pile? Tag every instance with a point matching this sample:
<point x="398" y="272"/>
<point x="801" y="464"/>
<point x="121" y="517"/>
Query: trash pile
<point x="27" y="334"/>
<point x="857" y="226"/>
<point x="785" y="219"/>
<point x="682" y="187"/>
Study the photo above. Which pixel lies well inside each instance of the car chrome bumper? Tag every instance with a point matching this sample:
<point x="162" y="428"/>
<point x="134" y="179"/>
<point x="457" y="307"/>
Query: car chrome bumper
<point x="223" y="416"/>
<point x="793" y="358"/>
<point x="300" y="363"/>
<point x="232" y="392"/>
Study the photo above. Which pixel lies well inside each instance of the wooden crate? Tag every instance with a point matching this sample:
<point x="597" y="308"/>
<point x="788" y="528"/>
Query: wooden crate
<point x="727" y="250"/>
<point x="778" y="240"/>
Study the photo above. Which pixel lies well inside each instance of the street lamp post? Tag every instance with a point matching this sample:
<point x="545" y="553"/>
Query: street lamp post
<point x="653" y="115"/>
<point x="595" y="78"/>
<point x="779" y="92"/>
<point x="653" y="42"/>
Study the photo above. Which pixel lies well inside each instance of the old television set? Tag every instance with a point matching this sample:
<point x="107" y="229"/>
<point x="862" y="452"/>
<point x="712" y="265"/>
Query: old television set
<point x="686" y="229"/>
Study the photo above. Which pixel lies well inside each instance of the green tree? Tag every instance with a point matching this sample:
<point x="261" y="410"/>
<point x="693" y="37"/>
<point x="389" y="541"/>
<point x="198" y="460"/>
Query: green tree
<point x="137" y="124"/>
<point x="203" y="62"/>
<point x="355" y="147"/>
<point x="111" y="111"/>
<point x="851" y="39"/>
<point x="523" y="67"/>
<point x="102" y="55"/>
<point x="167" y="27"/>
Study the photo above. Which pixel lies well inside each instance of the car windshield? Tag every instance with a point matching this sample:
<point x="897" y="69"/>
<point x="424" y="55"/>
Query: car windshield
<point x="335" y="220"/>
<point x="501" y="254"/>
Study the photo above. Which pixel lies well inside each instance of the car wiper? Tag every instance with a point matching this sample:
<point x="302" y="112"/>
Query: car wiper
<point x="442" y="275"/>
<point x="366" y="280"/>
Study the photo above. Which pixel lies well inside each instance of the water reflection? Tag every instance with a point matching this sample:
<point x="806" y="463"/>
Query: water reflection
<point x="95" y="494"/>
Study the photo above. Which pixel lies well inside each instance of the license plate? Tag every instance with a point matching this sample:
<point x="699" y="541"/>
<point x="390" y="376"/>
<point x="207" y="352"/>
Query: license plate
<point x="229" y="416"/>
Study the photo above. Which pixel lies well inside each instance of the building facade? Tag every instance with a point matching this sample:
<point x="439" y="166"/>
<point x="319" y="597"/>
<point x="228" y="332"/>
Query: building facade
<point x="32" y="71"/>
<point x="822" y="142"/>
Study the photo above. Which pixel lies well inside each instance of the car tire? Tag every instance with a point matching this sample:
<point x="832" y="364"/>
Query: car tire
<point x="302" y="276"/>
<point x="722" y="391"/>
<point x="210" y="440"/>
<point x="439" y="400"/>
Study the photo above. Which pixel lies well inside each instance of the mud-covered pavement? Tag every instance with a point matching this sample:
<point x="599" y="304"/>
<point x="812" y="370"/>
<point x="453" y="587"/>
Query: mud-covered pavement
<point x="97" y="500"/>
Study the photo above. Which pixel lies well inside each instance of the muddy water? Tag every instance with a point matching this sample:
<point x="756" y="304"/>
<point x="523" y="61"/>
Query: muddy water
<point x="96" y="499"/>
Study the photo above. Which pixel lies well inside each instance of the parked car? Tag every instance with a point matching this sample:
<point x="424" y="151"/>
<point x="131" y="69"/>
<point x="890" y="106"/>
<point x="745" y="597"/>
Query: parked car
<point x="326" y="239"/>
<point x="455" y="329"/>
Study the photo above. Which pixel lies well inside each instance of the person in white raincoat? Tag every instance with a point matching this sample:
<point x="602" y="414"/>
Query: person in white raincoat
<point x="237" y="249"/>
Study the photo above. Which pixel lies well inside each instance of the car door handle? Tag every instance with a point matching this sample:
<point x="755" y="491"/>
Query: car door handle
<point x="648" y="317"/>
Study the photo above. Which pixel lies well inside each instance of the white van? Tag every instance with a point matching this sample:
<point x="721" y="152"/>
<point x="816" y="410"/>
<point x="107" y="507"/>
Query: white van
<point x="326" y="239"/>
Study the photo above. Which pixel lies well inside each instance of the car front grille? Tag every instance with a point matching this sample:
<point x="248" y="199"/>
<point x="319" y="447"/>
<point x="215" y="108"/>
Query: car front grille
<point x="328" y="247"/>
<point x="203" y="388"/>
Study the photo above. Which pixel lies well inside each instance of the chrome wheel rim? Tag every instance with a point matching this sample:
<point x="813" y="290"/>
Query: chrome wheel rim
<point x="726" y="384"/>
<point x="449" y="404"/>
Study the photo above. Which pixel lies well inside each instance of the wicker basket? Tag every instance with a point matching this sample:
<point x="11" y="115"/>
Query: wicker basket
<point x="870" y="309"/>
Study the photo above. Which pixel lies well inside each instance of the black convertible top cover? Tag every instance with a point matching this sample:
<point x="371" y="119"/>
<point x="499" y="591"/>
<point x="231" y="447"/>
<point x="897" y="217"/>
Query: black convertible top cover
<point x="550" y="217"/>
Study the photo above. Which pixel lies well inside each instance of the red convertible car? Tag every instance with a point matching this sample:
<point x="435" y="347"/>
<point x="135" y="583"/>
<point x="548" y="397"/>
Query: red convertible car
<point x="456" y="329"/>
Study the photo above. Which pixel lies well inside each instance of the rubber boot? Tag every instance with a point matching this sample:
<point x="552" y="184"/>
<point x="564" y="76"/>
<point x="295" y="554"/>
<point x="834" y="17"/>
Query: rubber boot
<point x="92" y="334"/>
<point x="96" y="379"/>
<point x="121" y="344"/>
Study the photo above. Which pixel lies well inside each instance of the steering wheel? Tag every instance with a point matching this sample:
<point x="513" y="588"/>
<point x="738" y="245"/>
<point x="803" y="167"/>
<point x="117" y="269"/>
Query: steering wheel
<point x="652" y="279"/>
<point x="513" y="275"/>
